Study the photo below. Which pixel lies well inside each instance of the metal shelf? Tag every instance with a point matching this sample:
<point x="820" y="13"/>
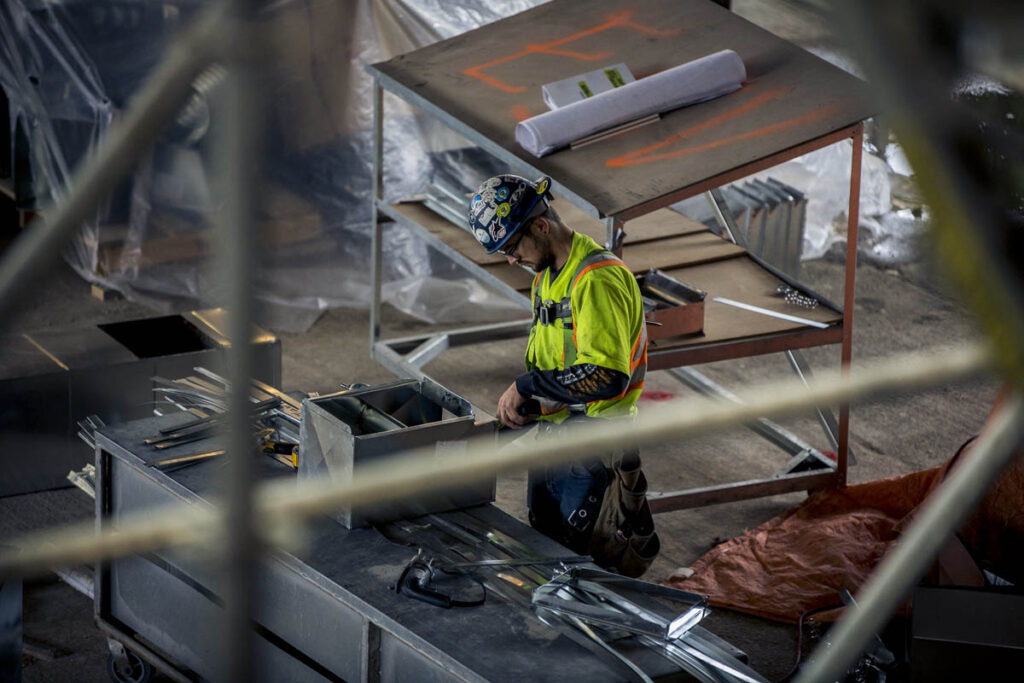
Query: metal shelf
<point x="823" y="107"/>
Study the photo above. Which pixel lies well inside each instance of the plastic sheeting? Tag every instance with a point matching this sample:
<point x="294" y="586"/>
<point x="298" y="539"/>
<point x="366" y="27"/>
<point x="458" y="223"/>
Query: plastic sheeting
<point x="824" y="177"/>
<point x="69" y="67"/>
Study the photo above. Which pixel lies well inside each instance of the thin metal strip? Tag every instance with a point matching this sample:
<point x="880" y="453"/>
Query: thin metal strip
<point x="772" y="431"/>
<point x="770" y="313"/>
<point x="46" y="353"/>
<point x="465" y="335"/>
<point x="828" y="421"/>
<point x="727" y="493"/>
<point x="723" y="217"/>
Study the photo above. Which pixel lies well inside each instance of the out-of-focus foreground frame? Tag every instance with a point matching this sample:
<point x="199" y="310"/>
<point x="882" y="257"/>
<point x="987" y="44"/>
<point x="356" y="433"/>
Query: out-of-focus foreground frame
<point x="973" y="239"/>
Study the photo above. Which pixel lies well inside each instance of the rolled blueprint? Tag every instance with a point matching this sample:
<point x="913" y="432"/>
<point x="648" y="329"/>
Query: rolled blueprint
<point x="697" y="81"/>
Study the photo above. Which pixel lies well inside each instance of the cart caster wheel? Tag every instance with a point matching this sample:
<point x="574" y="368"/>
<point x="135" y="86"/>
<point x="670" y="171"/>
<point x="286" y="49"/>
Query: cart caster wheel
<point x="132" y="670"/>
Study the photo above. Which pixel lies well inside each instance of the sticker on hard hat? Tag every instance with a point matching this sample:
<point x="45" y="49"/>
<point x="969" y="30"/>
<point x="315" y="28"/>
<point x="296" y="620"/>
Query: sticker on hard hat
<point x="487" y="216"/>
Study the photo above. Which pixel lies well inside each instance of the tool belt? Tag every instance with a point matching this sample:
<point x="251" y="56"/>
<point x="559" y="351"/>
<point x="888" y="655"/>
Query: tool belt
<point x="614" y="523"/>
<point x="623" y="539"/>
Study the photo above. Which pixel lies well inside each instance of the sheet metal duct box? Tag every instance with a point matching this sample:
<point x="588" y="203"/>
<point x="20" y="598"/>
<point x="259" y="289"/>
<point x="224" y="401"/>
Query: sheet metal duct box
<point x="963" y="634"/>
<point x="671" y="307"/>
<point x="52" y="379"/>
<point x="343" y="431"/>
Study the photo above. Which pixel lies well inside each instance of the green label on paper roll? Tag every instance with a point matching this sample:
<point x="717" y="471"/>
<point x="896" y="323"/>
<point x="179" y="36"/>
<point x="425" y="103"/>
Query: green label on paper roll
<point x="585" y="89"/>
<point x="614" y="77"/>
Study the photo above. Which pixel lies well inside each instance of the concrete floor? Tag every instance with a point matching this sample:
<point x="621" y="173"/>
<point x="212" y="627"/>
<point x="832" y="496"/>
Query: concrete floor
<point x="896" y="310"/>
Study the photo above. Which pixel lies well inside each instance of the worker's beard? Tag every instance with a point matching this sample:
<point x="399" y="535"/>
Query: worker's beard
<point x="545" y="254"/>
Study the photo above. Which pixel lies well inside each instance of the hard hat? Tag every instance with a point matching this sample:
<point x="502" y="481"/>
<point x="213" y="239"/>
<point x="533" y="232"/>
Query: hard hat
<point x="502" y="205"/>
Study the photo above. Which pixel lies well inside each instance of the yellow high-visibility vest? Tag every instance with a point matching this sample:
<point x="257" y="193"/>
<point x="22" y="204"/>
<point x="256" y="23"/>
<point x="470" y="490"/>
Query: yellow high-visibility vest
<point x="591" y="313"/>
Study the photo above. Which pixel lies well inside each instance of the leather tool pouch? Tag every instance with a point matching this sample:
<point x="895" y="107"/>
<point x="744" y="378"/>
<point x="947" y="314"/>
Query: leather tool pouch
<point x="624" y="539"/>
<point x="613" y="524"/>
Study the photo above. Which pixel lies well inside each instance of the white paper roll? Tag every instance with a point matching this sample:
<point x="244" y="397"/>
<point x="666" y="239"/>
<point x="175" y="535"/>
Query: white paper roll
<point x="697" y="81"/>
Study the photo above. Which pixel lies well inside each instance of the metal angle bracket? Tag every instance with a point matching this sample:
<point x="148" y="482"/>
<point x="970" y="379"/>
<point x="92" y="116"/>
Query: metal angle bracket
<point x="808" y="461"/>
<point x="723" y="215"/>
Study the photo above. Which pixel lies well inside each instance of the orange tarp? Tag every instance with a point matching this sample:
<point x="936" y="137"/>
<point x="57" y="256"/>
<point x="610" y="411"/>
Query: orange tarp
<point x="799" y="560"/>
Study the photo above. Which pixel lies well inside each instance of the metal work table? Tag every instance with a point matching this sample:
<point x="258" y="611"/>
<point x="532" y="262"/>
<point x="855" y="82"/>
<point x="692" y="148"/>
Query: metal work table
<point x="50" y="380"/>
<point x="482" y="82"/>
<point x="331" y="615"/>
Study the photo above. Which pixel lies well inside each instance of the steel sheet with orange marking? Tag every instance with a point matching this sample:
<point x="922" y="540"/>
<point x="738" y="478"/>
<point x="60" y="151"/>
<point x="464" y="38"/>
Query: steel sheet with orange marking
<point x="491" y="77"/>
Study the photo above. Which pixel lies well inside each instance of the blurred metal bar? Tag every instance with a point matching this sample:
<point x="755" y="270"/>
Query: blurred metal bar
<point x="238" y="249"/>
<point x="902" y="567"/>
<point x="849" y="287"/>
<point x="377" y="230"/>
<point x="772" y="431"/>
<point x="38" y="247"/>
<point x="283" y="504"/>
<point x="971" y="208"/>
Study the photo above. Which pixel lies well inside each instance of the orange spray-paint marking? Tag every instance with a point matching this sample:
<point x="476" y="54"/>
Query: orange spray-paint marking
<point x="766" y="130"/>
<point x="621" y="19"/>
<point x="519" y="112"/>
<point x="745" y="108"/>
<point x="535" y="49"/>
<point x="645" y="155"/>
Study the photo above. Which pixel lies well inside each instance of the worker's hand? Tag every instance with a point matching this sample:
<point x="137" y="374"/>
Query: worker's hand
<point x="508" y="408"/>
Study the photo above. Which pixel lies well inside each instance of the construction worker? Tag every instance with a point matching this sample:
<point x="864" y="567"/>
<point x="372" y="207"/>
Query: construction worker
<point x="585" y="358"/>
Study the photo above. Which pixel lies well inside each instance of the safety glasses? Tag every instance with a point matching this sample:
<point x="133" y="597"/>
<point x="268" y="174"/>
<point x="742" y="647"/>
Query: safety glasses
<point x="512" y="246"/>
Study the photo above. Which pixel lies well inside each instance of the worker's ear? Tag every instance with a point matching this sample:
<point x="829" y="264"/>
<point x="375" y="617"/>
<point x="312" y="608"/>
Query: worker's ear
<point x="541" y="225"/>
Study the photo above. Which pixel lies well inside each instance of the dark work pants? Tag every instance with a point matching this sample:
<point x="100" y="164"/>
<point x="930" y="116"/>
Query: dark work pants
<point x="564" y="499"/>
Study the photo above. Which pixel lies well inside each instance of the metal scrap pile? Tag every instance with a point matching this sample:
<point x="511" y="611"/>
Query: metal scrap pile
<point x="609" y="615"/>
<point x="274" y="417"/>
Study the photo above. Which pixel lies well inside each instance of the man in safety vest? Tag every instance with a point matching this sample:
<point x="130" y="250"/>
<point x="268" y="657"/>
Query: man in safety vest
<point x="586" y="357"/>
